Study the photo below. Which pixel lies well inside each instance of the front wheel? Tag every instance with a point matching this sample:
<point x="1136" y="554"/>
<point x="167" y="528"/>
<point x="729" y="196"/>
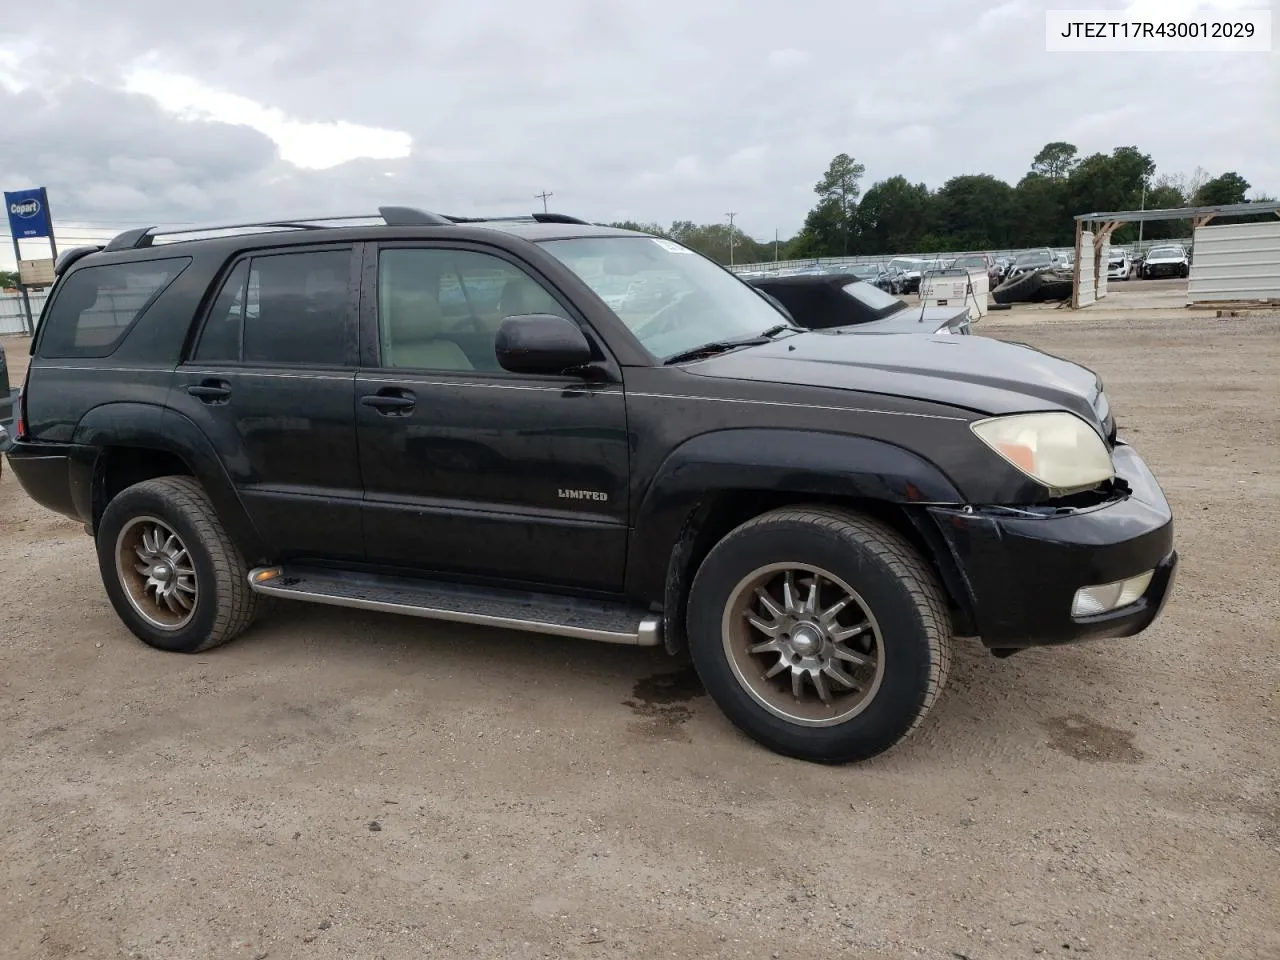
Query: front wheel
<point x="821" y="633"/>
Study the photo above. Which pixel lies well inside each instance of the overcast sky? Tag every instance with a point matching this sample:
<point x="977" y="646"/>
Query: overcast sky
<point x="138" y="111"/>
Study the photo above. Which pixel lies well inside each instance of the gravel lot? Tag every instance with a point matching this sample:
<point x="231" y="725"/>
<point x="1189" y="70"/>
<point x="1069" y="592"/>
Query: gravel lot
<point x="343" y="785"/>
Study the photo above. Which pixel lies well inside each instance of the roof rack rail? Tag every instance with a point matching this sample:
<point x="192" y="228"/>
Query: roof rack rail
<point x="140" y="237"/>
<point x="534" y="217"/>
<point x="558" y="218"/>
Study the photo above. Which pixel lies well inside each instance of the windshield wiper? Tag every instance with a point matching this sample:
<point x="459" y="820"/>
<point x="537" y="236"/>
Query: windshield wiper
<point x="723" y="346"/>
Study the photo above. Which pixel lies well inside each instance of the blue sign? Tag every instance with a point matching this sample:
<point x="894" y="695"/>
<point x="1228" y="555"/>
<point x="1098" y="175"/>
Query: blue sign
<point x="28" y="213"/>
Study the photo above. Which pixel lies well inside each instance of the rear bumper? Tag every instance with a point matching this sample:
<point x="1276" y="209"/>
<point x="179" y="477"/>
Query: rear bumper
<point x="1022" y="572"/>
<point x="56" y="476"/>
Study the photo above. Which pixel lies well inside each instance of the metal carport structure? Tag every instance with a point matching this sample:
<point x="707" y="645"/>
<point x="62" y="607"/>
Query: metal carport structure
<point x="1243" y="259"/>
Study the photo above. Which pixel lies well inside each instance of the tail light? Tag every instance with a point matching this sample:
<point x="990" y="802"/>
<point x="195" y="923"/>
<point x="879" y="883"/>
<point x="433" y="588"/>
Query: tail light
<point x="20" y="414"/>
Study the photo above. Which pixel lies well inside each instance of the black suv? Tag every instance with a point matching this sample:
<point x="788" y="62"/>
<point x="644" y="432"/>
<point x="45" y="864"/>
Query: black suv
<point x="539" y="423"/>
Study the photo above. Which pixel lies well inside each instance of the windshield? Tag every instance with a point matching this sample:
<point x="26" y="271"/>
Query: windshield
<point x="971" y="262"/>
<point x="905" y="265"/>
<point x="1037" y="256"/>
<point x="873" y="297"/>
<point x="865" y="270"/>
<point x="1164" y="252"/>
<point x="671" y="298"/>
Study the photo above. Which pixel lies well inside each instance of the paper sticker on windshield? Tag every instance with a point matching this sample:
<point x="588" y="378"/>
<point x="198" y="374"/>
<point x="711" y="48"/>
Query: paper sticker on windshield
<point x="670" y="246"/>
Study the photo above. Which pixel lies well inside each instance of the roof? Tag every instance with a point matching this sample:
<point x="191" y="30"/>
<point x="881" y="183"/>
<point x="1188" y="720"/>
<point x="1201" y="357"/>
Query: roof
<point x="1184" y="213"/>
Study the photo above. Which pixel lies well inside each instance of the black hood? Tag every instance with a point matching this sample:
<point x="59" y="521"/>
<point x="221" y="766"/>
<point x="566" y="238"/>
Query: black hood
<point x="976" y="373"/>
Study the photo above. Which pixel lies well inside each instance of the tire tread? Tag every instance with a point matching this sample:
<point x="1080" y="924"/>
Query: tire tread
<point x="901" y="558"/>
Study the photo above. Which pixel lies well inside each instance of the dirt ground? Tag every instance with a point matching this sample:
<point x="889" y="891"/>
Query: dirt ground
<point x="347" y="785"/>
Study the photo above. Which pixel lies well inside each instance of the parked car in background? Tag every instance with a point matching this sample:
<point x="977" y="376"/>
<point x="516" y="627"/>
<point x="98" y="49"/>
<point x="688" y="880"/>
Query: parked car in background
<point x="1168" y="261"/>
<point x="1119" y="267"/>
<point x="1041" y="259"/>
<point x="878" y="275"/>
<point x="6" y="395"/>
<point x="846" y="300"/>
<point x="909" y="270"/>
<point x="980" y="261"/>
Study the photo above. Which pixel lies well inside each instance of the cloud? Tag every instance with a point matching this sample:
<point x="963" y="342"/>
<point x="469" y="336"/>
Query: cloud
<point x="788" y="58"/>
<point x="149" y="110"/>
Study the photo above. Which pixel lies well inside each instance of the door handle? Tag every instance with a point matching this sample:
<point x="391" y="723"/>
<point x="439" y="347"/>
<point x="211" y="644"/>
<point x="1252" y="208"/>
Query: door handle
<point x="391" y="402"/>
<point x="211" y="391"/>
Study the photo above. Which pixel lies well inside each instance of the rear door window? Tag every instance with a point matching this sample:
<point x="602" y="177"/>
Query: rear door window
<point x="94" y="307"/>
<point x="285" y="308"/>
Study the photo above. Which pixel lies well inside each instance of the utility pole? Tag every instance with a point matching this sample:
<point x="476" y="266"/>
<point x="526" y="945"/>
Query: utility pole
<point x="731" y="216"/>
<point x="775" y="244"/>
<point x="543" y="197"/>
<point x="1143" y="206"/>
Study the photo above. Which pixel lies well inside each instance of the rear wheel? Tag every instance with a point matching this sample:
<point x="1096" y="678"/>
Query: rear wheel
<point x="820" y="633"/>
<point x="170" y="569"/>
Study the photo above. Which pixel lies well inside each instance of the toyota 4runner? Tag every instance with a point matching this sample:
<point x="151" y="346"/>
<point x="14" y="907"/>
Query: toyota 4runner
<point x="482" y="421"/>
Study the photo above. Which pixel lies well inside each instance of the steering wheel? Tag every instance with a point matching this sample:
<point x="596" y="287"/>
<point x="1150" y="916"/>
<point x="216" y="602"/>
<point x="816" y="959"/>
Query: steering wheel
<point x="669" y="317"/>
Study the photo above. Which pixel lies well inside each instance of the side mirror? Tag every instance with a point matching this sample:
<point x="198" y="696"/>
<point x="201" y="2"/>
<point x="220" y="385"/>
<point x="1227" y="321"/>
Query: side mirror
<point x="540" y="343"/>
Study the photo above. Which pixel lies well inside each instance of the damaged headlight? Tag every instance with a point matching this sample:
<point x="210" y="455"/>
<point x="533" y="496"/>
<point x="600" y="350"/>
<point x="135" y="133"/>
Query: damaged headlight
<point x="1056" y="449"/>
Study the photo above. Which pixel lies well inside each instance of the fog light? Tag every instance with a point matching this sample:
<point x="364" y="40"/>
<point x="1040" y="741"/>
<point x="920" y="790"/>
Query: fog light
<point x="1090" y="601"/>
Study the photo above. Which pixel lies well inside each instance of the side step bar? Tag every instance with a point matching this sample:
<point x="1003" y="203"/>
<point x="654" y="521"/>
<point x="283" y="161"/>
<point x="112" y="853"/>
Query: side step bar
<point x="460" y="603"/>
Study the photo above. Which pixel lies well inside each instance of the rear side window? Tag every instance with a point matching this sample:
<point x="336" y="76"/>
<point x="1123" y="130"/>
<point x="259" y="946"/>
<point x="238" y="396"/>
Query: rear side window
<point x="290" y="308"/>
<point x="95" y="306"/>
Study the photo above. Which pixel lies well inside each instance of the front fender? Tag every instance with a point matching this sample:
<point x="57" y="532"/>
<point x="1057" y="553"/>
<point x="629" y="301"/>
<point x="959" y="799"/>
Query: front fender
<point x="801" y="462"/>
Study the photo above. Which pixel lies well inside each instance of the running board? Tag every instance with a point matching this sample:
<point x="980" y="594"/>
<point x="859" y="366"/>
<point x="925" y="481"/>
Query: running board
<point x="532" y="612"/>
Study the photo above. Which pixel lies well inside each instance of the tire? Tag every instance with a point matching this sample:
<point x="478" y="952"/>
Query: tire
<point x="216" y="603"/>
<point x="893" y="593"/>
<point x="1020" y="289"/>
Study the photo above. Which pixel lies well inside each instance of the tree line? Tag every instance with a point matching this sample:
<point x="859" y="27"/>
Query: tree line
<point x="972" y="212"/>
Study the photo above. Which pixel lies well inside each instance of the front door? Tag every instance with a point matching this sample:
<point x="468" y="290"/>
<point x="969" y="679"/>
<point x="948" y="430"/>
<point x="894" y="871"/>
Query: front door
<point x="271" y="383"/>
<point x="467" y="468"/>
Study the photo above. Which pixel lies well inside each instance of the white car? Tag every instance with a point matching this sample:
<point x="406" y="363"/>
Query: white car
<point x="1119" y="266"/>
<point x="1168" y="261"/>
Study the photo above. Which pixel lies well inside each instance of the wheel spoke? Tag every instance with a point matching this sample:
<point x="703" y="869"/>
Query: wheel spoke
<point x="836" y="673"/>
<point x="811" y="601"/>
<point x="797" y="684"/>
<point x="770" y="605"/>
<point x="777" y="668"/>
<point x="829" y="615"/>
<point x="764" y="626"/>
<point x="820" y="684"/>
<point x="186" y="586"/>
<point x="851" y="656"/>
<point x="840" y="634"/>
<point x="183" y="600"/>
<point x="789" y="592"/>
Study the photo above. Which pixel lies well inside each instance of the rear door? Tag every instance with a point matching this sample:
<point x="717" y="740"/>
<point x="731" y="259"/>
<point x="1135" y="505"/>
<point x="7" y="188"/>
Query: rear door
<point x="271" y="382"/>
<point x="468" y="468"/>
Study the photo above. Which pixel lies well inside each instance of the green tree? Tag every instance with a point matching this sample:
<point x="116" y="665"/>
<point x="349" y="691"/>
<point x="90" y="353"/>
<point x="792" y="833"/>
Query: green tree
<point x="1228" y="188"/>
<point x="974" y="212"/>
<point x="8" y="278"/>
<point x="1055" y="161"/>
<point x="893" y="216"/>
<point x="1102" y="183"/>
<point x="823" y="233"/>
<point x="1039" y="213"/>
<point x="838" y="189"/>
